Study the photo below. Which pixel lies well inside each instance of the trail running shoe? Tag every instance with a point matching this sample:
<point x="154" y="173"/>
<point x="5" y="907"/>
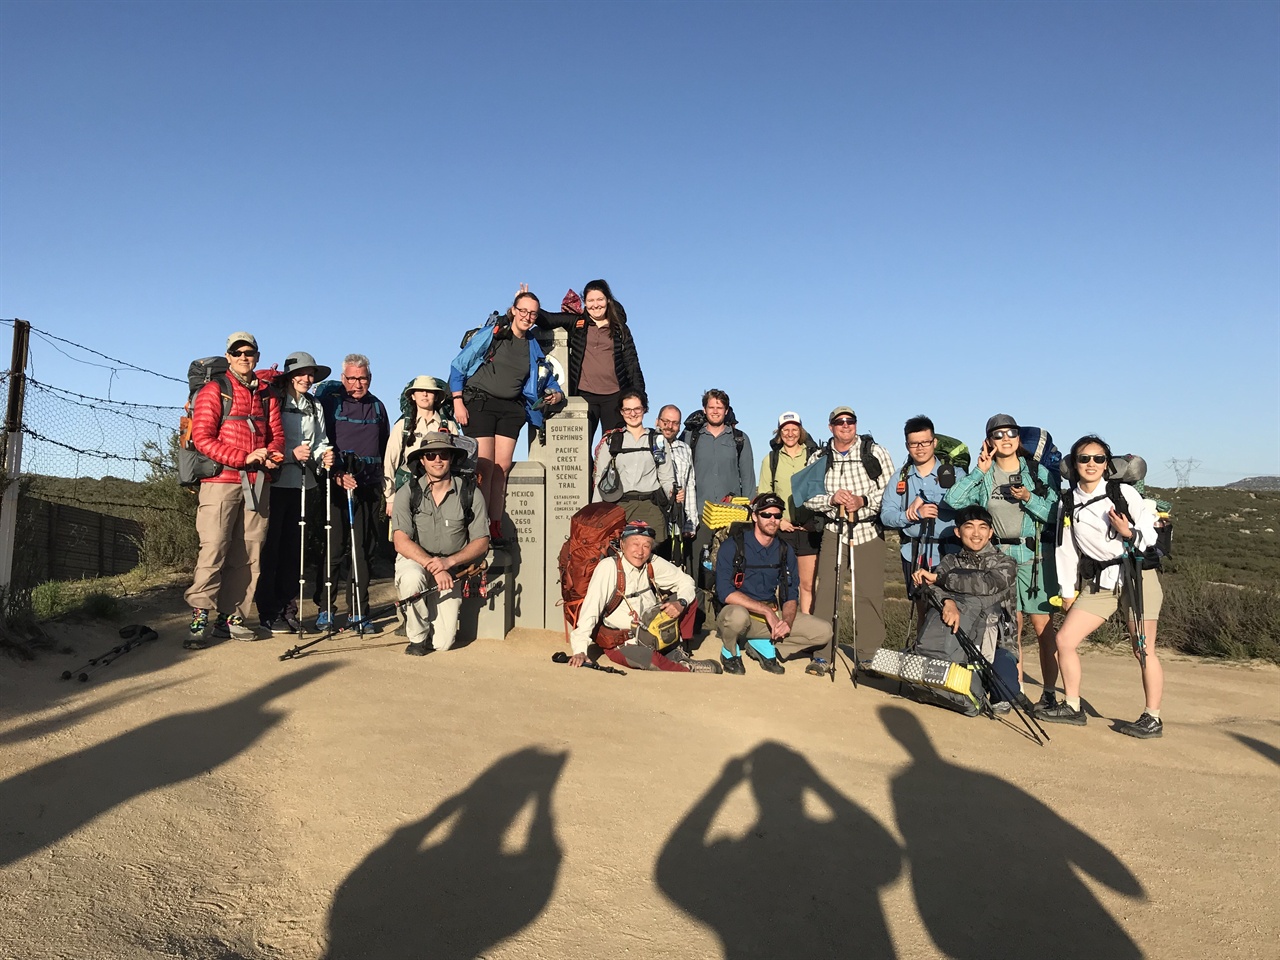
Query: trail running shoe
<point x="1062" y="713"/>
<point x="1146" y="727"/>
<point x="703" y="666"/>
<point x="818" y="667"/>
<point x="220" y="627"/>
<point x="733" y="665"/>
<point x="199" y="621"/>
<point x="767" y="664"/>
<point x="237" y="629"/>
<point x="288" y="622"/>
<point x="363" y="626"/>
<point x="1047" y="699"/>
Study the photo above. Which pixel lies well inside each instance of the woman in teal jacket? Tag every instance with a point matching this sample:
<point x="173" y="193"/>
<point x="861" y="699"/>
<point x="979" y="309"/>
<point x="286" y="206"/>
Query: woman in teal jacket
<point x="1015" y="489"/>
<point x="500" y="381"/>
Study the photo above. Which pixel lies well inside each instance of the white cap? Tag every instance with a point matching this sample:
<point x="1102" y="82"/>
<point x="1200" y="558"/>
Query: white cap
<point x="789" y="417"/>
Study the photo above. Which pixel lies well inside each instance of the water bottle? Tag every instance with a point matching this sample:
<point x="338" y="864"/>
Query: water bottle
<point x="706" y="556"/>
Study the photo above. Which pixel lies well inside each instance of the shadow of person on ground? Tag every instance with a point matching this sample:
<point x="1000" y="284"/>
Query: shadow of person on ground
<point x="798" y="883"/>
<point x="1258" y="746"/>
<point x="482" y="880"/>
<point x="992" y="867"/>
<point x="44" y="726"/>
<point x="45" y="804"/>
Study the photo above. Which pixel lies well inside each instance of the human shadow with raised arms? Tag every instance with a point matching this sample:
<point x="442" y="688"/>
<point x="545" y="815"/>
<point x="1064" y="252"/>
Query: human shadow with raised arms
<point x="46" y="803"/>
<point x="482" y="876"/>
<point x="800" y="882"/>
<point x="992" y="866"/>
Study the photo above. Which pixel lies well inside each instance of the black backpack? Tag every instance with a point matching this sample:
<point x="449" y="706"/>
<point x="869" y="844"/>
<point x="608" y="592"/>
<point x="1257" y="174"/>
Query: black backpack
<point x="194" y="466"/>
<point x="501" y="331"/>
<point x="698" y="419"/>
<point x="737" y="533"/>
<point x="464" y="487"/>
<point x="1066" y="506"/>
<point x="618" y="434"/>
<point x="865" y="453"/>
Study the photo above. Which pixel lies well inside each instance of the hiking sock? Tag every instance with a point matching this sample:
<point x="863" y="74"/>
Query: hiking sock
<point x="1073" y="703"/>
<point x="763" y="647"/>
<point x="1153" y="714"/>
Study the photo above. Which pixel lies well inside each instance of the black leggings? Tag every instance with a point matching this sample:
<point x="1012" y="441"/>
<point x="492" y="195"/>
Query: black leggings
<point x="603" y="409"/>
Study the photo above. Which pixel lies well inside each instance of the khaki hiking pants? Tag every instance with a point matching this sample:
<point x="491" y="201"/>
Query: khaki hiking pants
<point x="868" y="592"/>
<point x="231" y="538"/>
<point x="435" y="616"/>
<point x="734" y="625"/>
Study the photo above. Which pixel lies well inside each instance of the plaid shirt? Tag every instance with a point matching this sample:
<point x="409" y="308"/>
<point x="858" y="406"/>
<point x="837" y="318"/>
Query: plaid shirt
<point x="848" y="473"/>
<point x="682" y="461"/>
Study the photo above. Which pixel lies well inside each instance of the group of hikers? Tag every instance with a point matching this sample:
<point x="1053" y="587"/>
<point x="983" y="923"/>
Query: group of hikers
<point x="982" y="548"/>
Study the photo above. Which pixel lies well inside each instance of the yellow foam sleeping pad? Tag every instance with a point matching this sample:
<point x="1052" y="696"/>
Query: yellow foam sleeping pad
<point x="718" y="515"/>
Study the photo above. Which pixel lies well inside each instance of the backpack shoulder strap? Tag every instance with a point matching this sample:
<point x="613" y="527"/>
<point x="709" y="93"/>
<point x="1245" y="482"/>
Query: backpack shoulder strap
<point x="774" y="455"/>
<point x="618" y="592"/>
<point x="467" y="494"/>
<point x="739" y="440"/>
<point x="615" y="441"/>
<point x="868" y="456"/>
<point x="1118" y="500"/>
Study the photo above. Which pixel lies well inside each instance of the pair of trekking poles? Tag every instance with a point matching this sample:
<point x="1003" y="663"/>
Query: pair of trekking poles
<point x="134" y="636"/>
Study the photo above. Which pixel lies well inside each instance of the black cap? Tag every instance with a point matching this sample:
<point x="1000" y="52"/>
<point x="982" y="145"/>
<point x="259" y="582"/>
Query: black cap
<point x="764" y="501"/>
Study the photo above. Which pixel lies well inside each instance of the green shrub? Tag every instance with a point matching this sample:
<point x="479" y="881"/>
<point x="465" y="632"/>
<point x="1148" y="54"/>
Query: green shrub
<point x="100" y="606"/>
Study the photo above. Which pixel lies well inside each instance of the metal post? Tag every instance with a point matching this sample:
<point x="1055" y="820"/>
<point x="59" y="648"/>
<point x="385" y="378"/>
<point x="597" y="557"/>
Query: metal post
<point x="13" y="449"/>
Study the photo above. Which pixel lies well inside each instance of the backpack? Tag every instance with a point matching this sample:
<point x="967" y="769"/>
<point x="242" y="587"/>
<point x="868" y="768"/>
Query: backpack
<point x="501" y="331"/>
<point x="194" y="466"/>
<point x="952" y="452"/>
<point x="592" y="532"/>
<point x="1038" y="443"/>
<point x="869" y="462"/>
<point x="776" y="454"/>
<point x="1130" y="469"/>
<point x="698" y="419"/>
<point x="466" y="493"/>
<point x="737" y="532"/>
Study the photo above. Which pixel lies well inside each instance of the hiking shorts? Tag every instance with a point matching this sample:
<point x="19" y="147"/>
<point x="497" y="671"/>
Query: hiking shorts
<point x="1103" y="603"/>
<point x="489" y="416"/>
<point x="804" y="543"/>
<point x="1027" y="602"/>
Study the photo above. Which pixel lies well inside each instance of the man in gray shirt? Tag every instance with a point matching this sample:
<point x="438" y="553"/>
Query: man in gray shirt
<point x="723" y="460"/>
<point x="440" y="526"/>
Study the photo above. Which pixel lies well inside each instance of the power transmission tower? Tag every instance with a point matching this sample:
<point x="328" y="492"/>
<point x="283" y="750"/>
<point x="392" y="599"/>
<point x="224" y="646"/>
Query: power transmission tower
<point x="1182" y="469"/>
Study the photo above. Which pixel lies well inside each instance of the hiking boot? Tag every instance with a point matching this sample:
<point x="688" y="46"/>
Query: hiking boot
<point x="1146" y="727"/>
<point x="219" y="629"/>
<point x="1062" y="713"/>
<point x="818" y="667"/>
<point x="363" y="626"/>
<point x="732" y="665"/>
<point x="237" y="629"/>
<point x="703" y="666"/>
<point x="418" y="649"/>
<point x="767" y="664"/>
<point x="199" y="622"/>
<point x="323" y="620"/>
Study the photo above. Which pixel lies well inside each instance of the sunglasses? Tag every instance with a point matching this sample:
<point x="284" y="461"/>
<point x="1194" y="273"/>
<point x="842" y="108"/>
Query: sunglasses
<point x="242" y="353"/>
<point x="1003" y="435"/>
<point x="844" y="422"/>
<point x="436" y="455"/>
<point x="1095" y="457"/>
<point x="769" y="516"/>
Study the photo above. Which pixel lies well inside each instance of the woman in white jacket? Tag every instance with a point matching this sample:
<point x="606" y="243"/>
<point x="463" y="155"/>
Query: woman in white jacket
<point x="1104" y="526"/>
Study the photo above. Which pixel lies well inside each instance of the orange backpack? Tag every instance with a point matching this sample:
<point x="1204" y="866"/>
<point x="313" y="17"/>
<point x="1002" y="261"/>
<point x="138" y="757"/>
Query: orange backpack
<point x="592" y="532"/>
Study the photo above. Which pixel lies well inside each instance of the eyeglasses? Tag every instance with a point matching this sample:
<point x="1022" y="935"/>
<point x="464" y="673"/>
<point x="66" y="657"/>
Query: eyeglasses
<point x="668" y="423"/>
<point x="1095" y="457"/>
<point x="921" y="444"/>
<point x="356" y="379"/>
<point x="522" y="313"/>
<point x="436" y="455"/>
<point x="242" y="353"/>
<point x="1003" y="435"/>
<point x="844" y="422"/>
<point x="769" y="516"/>
<point x="633" y="410"/>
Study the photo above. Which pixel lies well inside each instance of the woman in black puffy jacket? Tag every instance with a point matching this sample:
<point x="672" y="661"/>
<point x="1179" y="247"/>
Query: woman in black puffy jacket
<point x="602" y="355"/>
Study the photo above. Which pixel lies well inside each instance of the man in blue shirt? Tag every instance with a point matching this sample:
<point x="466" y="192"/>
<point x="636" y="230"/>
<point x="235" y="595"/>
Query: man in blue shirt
<point x="758" y="585"/>
<point x="913" y="505"/>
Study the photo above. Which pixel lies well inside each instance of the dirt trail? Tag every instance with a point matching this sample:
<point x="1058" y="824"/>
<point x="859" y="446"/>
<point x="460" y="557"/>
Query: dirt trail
<point x="358" y="803"/>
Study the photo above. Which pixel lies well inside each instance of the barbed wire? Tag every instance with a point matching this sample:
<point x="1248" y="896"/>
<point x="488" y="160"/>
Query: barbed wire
<point x="50" y="338"/>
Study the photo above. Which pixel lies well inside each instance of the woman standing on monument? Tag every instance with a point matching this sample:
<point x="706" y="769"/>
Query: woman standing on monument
<point x="499" y="381"/>
<point x="602" y="354"/>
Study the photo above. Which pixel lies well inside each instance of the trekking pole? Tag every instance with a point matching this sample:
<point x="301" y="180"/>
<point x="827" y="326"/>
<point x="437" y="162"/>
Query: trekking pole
<point x="1133" y="570"/>
<point x="302" y="549"/>
<point x="477" y="569"/>
<point x="841" y="542"/>
<point x="351" y="465"/>
<point x="561" y="657"/>
<point x="134" y="635"/>
<point x="328" y="545"/>
<point x="990" y="679"/>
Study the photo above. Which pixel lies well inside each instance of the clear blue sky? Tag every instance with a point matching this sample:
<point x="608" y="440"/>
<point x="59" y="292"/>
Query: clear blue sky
<point x="1069" y="212"/>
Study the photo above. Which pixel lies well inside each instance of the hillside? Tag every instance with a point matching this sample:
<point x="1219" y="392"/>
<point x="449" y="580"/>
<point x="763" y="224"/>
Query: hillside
<point x="1255" y="484"/>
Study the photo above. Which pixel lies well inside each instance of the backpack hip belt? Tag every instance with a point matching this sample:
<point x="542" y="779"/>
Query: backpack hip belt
<point x="608" y="638"/>
<point x="1028" y="542"/>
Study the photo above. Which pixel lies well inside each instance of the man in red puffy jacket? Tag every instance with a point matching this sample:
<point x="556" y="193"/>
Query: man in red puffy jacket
<point x="231" y="518"/>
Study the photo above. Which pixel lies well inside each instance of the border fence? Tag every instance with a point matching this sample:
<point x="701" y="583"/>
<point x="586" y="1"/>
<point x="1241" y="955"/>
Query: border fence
<point x="84" y="475"/>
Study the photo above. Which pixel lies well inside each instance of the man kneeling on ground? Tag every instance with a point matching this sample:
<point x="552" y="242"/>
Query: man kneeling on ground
<point x="974" y="591"/>
<point x="632" y="609"/>
<point x="758" y="583"/>
<point x="440" y="526"/>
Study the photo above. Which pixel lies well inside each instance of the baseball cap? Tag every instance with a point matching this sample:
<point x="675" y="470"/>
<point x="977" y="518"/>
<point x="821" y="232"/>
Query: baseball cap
<point x="790" y="417"/>
<point x="241" y="337"/>
<point x="764" y="501"/>
<point x="638" y="527"/>
<point x="1001" y="420"/>
<point x="839" y="412"/>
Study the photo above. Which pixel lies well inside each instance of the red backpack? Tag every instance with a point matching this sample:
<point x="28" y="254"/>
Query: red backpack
<point x="592" y="532"/>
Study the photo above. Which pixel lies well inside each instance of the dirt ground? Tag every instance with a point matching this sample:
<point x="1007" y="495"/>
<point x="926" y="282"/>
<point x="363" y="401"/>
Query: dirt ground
<point x="486" y="802"/>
